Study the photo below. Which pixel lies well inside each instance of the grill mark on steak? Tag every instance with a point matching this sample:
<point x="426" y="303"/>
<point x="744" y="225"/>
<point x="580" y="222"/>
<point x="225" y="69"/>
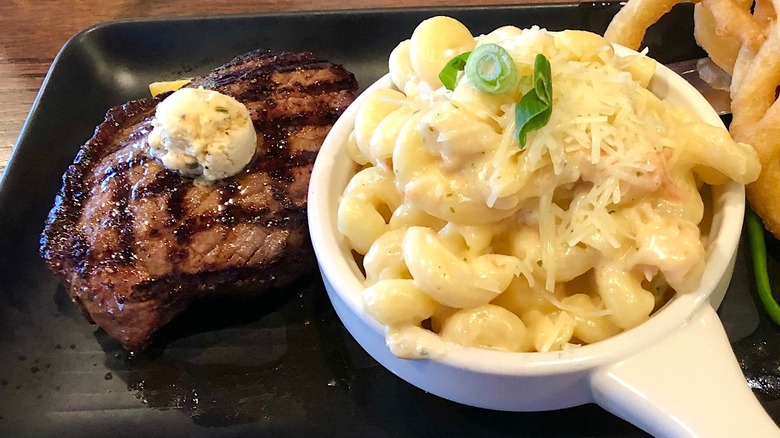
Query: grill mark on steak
<point x="164" y="182"/>
<point x="229" y="216"/>
<point x="175" y="204"/>
<point x="264" y="82"/>
<point x="123" y="220"/>
<point x="297" y="108"/>
<point x="68" y="204"/>
<point x="135" y="242"/>
<point x="120" y="169"/>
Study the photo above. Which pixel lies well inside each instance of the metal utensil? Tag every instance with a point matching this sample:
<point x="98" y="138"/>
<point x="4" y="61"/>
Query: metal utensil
<point x="719" y="99"/>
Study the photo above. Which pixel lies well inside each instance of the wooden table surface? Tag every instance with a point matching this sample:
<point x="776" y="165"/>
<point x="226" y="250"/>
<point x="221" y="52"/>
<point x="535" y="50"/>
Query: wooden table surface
<point x="32" y="31"/>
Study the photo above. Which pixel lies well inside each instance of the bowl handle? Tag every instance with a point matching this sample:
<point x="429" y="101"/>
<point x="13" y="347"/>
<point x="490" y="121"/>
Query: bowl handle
<point x="689" y="384"/>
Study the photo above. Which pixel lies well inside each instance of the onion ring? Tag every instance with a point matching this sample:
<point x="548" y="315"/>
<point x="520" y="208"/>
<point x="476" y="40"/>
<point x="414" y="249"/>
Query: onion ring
<point x="740" y="22"/>
<point x="764" y="12"/>
<point x="754" y="93"/>
<point x="630" y="24"/>
<point x="757" y="121"/>
<point x="722" y="51"/>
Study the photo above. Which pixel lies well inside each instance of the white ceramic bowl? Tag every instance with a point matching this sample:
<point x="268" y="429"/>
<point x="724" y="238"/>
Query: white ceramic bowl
<point x="673" y="375"/>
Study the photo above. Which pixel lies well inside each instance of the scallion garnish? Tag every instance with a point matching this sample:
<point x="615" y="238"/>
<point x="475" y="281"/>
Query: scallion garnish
<point x="534" y="109"/>
<point x="449" y="74"/>
<point x="755" y="231"/>
<point x="491" y="69"/>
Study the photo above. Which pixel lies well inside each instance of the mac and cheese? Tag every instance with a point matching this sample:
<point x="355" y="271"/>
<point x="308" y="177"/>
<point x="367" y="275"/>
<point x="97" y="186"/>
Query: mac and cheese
<point x="575" y="237"/>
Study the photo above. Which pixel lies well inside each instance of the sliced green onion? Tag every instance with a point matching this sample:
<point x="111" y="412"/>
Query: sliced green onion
<point x="449" y="74"/>
<point x="534" y="109"/>
<point x="526" y="81"/>
<point x="491" y="69"/>
<point x="755" y="232"/>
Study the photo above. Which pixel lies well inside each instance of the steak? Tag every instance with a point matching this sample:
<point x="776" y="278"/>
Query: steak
<point x="134" y="242"/>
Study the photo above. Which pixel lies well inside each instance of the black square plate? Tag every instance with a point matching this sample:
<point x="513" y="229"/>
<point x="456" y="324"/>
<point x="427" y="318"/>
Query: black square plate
<point x="283" y="365"/>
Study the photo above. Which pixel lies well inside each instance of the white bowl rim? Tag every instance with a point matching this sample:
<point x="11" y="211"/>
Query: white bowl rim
<point x="344" y="276"/>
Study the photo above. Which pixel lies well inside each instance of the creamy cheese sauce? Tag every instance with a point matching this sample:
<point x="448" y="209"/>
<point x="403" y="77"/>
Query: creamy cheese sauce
<point x="569" y="239"/>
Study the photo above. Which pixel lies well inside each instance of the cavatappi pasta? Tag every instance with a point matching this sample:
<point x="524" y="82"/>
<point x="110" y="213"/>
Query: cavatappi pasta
<point x="575" y="237"/>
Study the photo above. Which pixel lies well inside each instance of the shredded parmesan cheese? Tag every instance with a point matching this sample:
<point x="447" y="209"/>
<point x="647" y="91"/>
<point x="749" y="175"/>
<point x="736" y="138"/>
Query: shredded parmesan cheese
<point x="606" y="130"/>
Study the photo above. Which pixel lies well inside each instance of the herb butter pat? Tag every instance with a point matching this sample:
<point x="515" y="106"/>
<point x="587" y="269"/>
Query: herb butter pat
<point x="202" y="134"/>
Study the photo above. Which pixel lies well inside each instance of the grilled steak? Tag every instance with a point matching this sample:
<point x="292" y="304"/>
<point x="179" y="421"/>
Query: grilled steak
<point x="135" y="242"/>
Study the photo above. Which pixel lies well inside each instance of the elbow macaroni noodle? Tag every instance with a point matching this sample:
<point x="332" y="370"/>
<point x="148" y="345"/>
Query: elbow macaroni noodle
<point x="579" y="235"/>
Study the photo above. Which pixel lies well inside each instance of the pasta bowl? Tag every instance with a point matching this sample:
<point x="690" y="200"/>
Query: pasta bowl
<point x="673" y="375"/>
